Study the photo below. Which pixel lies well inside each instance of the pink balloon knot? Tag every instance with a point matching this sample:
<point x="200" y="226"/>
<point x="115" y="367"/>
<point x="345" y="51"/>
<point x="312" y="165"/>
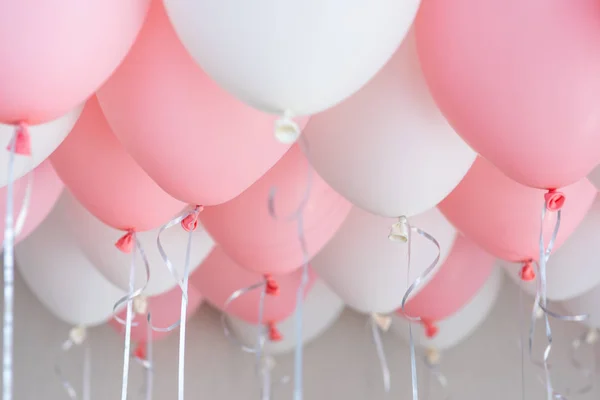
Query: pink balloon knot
<point x="274" y="334"/>
<point x="431" y="328"/>
<point x="125" y="243"/>
<point x="140" y="351"/>
<point x="527" y="272"/>
<point x="22" y="141"/>
<point x="190" y="223"/>
<point x="272" y="287"/>
<point x="554" y="200"/>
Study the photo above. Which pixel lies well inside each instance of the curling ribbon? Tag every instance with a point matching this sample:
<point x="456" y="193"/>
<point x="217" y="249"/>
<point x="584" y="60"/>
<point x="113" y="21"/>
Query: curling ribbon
<point x="402" y="231"/>
<point x="553" y="202"/>
<point x="126" y="244"/>
<point x="587" y="339"/>
<point x="77" y="337"/>
<point x="18" y="145"/>
<point x="143" y="355"/>
<point x="432" y="363"/>
<point x="189" y="222"/>
<point x="381" y="323"/>
<point x="298" y="217"/>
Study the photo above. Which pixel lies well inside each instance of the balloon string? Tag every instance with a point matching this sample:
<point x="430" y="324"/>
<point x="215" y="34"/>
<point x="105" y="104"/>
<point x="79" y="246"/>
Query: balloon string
<point x="298" y="217"/>
<point x="434" y="371"/>
<point x="385" y="370"/>
<point x="145" y="360"/>
<point x="589" y="338"/>
<point x="403" y="231"/>
<point x="77" y="337"/>
<point x="521" y="344"/>
<point x="128" y="323"/>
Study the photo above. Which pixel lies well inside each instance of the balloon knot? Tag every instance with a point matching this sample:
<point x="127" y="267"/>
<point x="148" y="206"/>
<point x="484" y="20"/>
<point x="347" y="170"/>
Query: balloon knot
<point x="125" y="243"/>
<point x="287" y="130"/>
<point x="190" y="222"/>
<point x="400" y="231"/>
<point x="22" y="141"/>
<point x="274" y="334"/>
<point x="140" y="351"/>
<point x="430" y="328"/>
<point x="527" y="272"/>
<point x="272" y="287"/>
<point x="554" y="200"/>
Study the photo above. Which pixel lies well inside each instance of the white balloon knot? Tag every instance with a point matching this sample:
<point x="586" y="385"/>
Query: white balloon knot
<point x="382" y="321"/>
<point x="538" y="312"/>
<point x="77" y="335"/>
<point x="140" y="305"/>
<point x="400" y="231"/>
<point x="592" y="336"/>
<point x="287" y="130"/>
<point x="433" y="356"/>
<point x="268" y="363"/>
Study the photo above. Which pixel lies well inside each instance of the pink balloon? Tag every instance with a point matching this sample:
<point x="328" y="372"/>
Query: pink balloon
<point x="459" y="278"/>
<point x="219" y="276"/>
<point x="105" y="179"/>
<point x="519" y="82"/>
<point x="199" y="143"/>
<point x="56" y="53"/>
<point x="504" y="217"/>
<point x="45" y="191"/>
<point x="165" y="311"/>
<point x="260" y="243"/>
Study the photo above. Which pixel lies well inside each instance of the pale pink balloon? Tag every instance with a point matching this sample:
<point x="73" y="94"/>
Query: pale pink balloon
<point x="519" y="81"/>
<point x="165" y="310"/>
<point x="218" y="277"/>
<point x="504" y="217"/>
<point x="56" y="53"/>
<point x="45" y="191"/>
<point x="459" y="278"/>
<point x="199" y="143"/>
<point x="258" y="242"/>
<point x="106" y="180"/>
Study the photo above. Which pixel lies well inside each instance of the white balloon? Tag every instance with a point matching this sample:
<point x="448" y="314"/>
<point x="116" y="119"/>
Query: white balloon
<point x="462" y="324"/>
<point x="302" y="56"/>
<point x="321" y="309"/>
<point x="98" y="242"/>
<point x="368" y="271"/>
<point x="402" y="155"/>
<point x="573" y="268"/>
<point x="61" y="276"/>
<point x="586" y="303"/>
<point x="45" y="138"/>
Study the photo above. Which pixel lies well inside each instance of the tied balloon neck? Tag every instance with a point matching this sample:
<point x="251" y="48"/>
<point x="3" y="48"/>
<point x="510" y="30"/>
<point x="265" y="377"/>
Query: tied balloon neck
<point x="21" y="141"/>
<point x="554" y="199"/>
<point x="433" y="356"/>
<point x="431" y="329"/>
<point x="271" y="285"/>
<point x="126" y="242"/>
<point x="141" y="352"/>
<point x="400" y="231"/>
<point x="190" y="222"/>
<point x="77" y="336"/>
<point x="274" y="333"/>
<point x="287" y="130"/>
<point x="527" y="272"/>
<point x="140" y="305"/>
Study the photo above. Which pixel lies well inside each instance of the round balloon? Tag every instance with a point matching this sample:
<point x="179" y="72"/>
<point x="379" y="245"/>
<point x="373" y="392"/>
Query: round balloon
<point x="45" y="191"/>
<point x="504" y="217"/>
<point x="460" y="325"/>
<point x="368" y="271"/>
<point x="219" y="277"/>
<point x="106" y="180"/>
<point x="45" y="138"/>
<point x="527" y="107"/>
<point x="321" y="309"/>
<point x="572" y="269"/>
<point x="164" y="309"/>
<point x="295" y="55"/>
<point x="97" y="241"/>
<point x="61" y="276"/>
<point x="161" y="105"/>
<point x="460" y="277"/>
<point x="244" y="228"/>
<point x="406" y="132"/>
<point x="61" y="52"/>
<point x="586" y="303"/>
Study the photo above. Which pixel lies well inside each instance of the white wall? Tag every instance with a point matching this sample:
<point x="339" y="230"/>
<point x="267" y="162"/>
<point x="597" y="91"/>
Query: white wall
<point x="340" y="365"/>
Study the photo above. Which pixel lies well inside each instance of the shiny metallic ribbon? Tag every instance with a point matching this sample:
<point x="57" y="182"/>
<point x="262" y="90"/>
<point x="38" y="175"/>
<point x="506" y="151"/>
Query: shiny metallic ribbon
<point x="298" y="217"/>
<point x="588" y="373"/>
<point x="66" y="346"/>
<point x="417" y="282"/>
<point x="128" y="299"/>
<point x="542" y="301"/>
<point x="147" y="363"/>
<point x="440" y="378"/>
<point x="10" y="231"/>
<point x="385" y="370"/>
<point x="183" y="284"/>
